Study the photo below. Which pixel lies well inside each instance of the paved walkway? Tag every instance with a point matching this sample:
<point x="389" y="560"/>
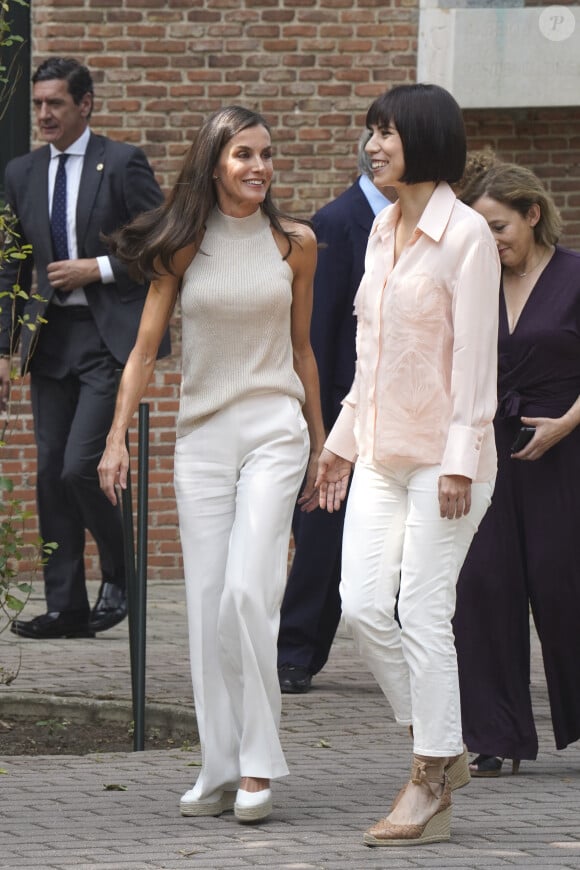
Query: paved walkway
<point x="346" y="754"/>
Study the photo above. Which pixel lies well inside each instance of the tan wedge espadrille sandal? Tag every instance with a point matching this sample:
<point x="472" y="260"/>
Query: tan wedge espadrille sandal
<point x="428" y="773"/>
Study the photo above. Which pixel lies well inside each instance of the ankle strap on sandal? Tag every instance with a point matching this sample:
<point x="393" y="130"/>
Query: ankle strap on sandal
<point x="428" y="771"/>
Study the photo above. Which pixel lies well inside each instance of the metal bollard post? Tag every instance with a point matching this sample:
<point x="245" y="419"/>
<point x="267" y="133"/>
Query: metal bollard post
<point x="137" y="577"/>
<point x="141" y="596"/>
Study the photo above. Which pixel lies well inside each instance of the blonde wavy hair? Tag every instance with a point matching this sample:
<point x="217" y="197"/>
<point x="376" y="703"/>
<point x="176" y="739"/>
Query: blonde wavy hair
<point x="517" y="188"/>
<point x="476" y="163"/>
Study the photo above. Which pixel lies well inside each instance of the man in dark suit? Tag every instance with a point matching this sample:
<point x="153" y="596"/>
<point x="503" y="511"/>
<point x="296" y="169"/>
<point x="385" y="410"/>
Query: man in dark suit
<point x="85" y="316"/>
<point x="311" y="607"/>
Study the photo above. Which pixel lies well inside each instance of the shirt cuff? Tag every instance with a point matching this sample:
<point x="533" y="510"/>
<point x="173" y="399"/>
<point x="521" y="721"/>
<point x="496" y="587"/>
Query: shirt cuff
<point x="342" y="439"/>
<point x="462" y="451"/>
<point x="107" y="276"/>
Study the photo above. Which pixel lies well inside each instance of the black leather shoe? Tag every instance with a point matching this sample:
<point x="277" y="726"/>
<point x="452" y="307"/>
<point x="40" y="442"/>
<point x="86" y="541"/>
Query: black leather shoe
<point x="294" y="679"/>
<point x="110" y="609"/>
<point x="70" y="623"/>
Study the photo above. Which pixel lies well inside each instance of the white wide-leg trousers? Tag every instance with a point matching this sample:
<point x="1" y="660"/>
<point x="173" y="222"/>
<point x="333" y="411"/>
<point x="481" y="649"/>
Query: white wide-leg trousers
<point x="237" y="476"/>
<point x="396" y="542"/>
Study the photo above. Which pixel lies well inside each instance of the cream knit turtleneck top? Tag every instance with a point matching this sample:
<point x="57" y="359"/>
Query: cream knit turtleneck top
<point x="236" y="298"/>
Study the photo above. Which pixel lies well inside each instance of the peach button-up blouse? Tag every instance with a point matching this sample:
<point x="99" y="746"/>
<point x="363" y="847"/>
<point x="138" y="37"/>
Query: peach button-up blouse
<point x="425" y="386"/>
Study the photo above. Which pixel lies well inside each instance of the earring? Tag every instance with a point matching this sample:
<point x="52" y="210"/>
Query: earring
<point x="216" y="178"/>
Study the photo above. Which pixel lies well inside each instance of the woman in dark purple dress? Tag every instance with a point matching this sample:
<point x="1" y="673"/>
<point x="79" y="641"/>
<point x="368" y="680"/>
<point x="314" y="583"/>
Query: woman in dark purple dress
<point x="527" y="550"/>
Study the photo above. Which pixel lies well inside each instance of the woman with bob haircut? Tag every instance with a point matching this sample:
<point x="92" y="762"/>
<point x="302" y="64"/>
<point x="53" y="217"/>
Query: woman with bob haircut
<point x="418" y="421"/>
<point x="526" y="554"/>
<point x="243" y="273"/>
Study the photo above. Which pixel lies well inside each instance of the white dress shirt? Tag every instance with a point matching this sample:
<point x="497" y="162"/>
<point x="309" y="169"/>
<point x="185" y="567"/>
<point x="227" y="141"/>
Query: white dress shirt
<point x="74" y="168"/>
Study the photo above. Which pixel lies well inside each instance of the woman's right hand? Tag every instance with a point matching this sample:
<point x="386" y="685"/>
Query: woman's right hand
<point x="113" y="469"/>
<point x="332" y="480"/>
<point x="138" y="371"/>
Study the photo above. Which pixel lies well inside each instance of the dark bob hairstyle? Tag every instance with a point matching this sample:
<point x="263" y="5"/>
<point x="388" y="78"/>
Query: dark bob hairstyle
<point x="429" y="121"/>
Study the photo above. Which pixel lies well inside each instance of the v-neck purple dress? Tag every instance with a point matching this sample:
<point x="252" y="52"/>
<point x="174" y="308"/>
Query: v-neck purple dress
<point x="527" y="550"/>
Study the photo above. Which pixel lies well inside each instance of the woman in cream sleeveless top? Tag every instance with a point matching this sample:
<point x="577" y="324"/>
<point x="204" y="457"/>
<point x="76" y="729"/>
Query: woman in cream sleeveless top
<point x="249" y="427"/>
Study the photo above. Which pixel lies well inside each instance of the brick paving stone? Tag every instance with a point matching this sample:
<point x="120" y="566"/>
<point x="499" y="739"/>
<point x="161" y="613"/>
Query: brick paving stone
<point x="347" y="759"/>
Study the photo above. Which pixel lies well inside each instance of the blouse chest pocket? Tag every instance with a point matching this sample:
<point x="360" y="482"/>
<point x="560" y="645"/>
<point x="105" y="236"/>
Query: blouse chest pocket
<point x="416" y="315"/>
<point x="417" y="301"/>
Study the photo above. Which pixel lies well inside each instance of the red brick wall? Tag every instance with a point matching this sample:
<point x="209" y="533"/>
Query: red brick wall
<point x="312" y="67"/>
<point x="546" y="140"/>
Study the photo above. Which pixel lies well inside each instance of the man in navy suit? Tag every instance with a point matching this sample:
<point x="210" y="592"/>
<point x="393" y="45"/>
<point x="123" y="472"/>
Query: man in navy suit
<point x="311" y="606"/>
<point x="86" y="312"/>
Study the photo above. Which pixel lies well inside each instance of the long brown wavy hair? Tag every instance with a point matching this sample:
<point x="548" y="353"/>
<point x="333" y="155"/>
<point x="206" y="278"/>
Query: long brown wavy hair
<point x="154" y="237"/>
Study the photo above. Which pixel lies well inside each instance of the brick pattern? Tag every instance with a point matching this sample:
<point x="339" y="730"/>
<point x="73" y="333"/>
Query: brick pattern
<point x="312" y="67"/>
<point x="546" y="140"/>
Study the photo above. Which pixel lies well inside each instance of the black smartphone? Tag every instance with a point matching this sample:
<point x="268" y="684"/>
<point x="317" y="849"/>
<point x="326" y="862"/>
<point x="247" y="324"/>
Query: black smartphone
<point x="523" y="437"/>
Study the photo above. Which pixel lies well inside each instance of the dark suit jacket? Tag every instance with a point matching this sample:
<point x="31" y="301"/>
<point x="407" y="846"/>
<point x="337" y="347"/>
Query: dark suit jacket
<point x="116" y="184"/>
<point x="342" y="228"/>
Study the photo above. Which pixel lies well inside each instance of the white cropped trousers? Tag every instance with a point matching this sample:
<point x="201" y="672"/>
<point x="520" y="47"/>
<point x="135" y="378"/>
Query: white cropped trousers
<point x="237" y="477"/>
<point x="396" y="542"/>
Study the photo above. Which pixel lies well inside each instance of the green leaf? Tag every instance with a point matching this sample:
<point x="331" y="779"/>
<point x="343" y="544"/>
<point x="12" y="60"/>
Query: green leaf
<point x="114" y="786"/>
<point x="13" y="603"/>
